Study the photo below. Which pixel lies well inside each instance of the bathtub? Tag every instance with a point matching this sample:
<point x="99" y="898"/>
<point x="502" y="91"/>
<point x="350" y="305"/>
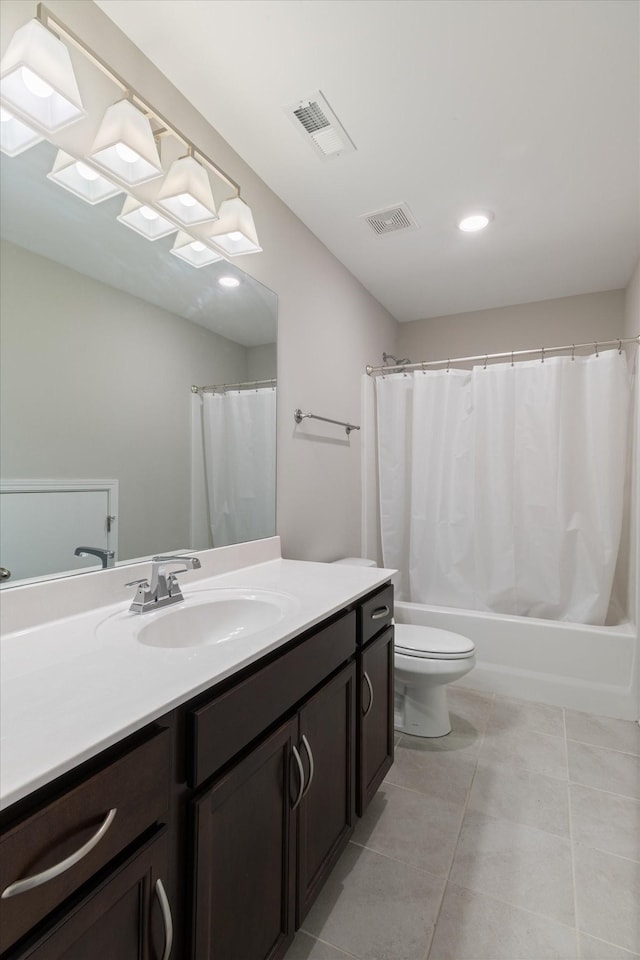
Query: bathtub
<point x="567" y="664"/>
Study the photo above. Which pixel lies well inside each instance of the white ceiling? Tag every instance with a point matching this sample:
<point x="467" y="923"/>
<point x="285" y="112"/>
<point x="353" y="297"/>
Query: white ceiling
<point x="528" y="109"/>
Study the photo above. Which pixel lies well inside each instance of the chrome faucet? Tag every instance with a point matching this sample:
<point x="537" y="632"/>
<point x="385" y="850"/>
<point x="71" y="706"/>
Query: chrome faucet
<point x="107" y="557"/>
<point x="164" y="587"/>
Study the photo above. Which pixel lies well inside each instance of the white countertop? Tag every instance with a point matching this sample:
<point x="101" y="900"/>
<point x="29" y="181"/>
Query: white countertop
<point x="68" y="692"/>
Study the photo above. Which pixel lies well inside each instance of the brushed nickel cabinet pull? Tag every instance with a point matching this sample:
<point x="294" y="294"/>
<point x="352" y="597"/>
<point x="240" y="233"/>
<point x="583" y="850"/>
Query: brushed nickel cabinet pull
<point x="369" y="684"/>
<point x="380" y="612"/>
<point x="311" y="765"/>
<point x="301" y="774"/>
<point x="167" y="919"/>
<point x="22" y="886"/>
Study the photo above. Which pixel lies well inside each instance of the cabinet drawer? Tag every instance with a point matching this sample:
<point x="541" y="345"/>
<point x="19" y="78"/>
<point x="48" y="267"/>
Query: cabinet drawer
<point x="230" y="722"/>
<point x="135" y="786"/>
<point x="375" y="614"/>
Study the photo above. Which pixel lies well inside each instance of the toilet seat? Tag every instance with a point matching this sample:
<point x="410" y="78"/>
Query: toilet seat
<point x="431" y="643"/>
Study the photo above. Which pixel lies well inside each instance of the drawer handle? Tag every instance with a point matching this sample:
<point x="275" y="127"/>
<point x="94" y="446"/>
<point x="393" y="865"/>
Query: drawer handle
<point x="370" y="685"/>
<point x="311" y="765"/>
<point x="167" y="919"/>
<point x="380" y="612"/>
<point x="301" y="774"/>
<point x="21" y="886"/>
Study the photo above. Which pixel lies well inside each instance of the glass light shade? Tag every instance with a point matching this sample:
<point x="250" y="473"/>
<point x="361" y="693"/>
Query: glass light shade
<point x="37" y="78"/>
<point x="15" y="136"/>
<point x="145" y="220"/>
<point x="234" y="231"/>
<point x="195" y="252"/>
<point x="186" y="193"/>
<point x="124" y="145"/>
<point x="81" y="179"/>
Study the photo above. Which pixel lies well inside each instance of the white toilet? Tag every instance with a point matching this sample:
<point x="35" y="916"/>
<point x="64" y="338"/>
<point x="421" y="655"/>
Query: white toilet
<point x="426" y="660"/>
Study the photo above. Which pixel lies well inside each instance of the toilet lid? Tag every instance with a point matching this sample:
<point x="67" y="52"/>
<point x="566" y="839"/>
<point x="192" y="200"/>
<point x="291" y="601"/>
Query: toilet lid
<point x="415" y="641"/>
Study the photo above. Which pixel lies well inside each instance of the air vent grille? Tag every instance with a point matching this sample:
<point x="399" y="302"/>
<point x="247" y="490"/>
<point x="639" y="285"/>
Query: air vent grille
<point x="319" y="125"/>
<point x="391" y="220"/>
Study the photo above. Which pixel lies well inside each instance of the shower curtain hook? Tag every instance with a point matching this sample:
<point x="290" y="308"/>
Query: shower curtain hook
<point x="422" y="366"/>
<point x="486" y="357"/>
<point x="542" y="353"/>
<point x="573" y="351"/>
<point x="512" y="358"/>
<point x="620" y="347"/>
<point x="448" y="364"/>
<point x="596" y="346"/>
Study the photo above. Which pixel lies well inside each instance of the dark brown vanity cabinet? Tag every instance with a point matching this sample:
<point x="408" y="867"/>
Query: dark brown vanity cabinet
<point x="230" y="811"/>
<point x="124" y="917"/>
<point x="375" y="694"/>
<point x="267" y="833"/>
<point x="93" y="850"/>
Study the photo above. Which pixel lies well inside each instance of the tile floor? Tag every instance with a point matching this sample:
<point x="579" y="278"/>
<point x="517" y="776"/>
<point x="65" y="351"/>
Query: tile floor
<point x="516" y="837"/>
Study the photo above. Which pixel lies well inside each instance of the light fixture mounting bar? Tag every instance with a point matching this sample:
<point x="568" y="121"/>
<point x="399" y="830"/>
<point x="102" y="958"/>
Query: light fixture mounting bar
<point x="45" y="16"/>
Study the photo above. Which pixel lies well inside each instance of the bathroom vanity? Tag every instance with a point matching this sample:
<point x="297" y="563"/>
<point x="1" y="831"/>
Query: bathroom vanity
<point x="232" y="804"/>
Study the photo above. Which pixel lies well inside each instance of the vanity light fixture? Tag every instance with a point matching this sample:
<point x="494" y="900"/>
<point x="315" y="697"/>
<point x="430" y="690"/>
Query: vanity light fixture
<point x="228" y="281"/>
<point x="15" y="136"/>
<point x="235" y="232"/>
<point x="475" y="222"/>
<point x="145" y="220"/>
<point x="37" y="83"/>
<point x="186" y="193"/>
<point x="81" y="179"/>
<point x="37" y="78"/>
<point x="195" y="252"/>
<point x="125" y="146"/>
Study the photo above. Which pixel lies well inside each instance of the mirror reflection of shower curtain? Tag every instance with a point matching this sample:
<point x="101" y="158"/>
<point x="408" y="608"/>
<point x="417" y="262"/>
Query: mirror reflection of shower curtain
<point x="502" y="489"/>
<point x="240" y="464"/>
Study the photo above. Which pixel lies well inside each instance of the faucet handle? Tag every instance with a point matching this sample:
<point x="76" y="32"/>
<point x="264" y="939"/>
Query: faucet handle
<point x="135" y="583"/>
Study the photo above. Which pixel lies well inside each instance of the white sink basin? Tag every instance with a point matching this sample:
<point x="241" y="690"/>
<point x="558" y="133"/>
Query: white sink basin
<point x="203" y="618"/>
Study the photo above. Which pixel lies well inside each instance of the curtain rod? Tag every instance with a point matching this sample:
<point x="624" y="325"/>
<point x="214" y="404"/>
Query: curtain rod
<point x="543" y="351"/>
<point x="244" y="385"/>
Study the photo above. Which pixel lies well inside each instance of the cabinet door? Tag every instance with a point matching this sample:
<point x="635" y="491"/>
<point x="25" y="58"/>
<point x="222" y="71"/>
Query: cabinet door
<point x="126" y="917"/>
<point x="243" y="869"/>
<point x="375" y="716"/>
<point x="326" y="815"/>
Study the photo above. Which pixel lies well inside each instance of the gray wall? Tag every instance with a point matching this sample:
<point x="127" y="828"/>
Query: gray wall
<point x="117" y="406"/>
<point x="548" y="323"/>
<point x="329" y="327"/>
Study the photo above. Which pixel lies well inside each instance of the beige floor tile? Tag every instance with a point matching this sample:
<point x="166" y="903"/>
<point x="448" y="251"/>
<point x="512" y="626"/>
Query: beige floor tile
<point x="305" y="947"/>
<point x="608" y="897"/>
<point x="538" y="752"/>
<point x="520" y="865"/>
<point x="438" y="773"/>
<point x="621" y="735"/>
<point x="476" y="927"/>
<point x="526" y="715"/>
<point x="592" y="949"/>
<point x="605" y="821"/>
<point x="604" y="769"/>
<point x="376" y="908"/>
<point x="408" y="826"/>
<point x="470" y="705"/>
<point x="513" y="793"/>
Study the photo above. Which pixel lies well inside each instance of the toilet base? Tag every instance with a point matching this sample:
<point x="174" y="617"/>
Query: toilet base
<point x="421" y="711"/>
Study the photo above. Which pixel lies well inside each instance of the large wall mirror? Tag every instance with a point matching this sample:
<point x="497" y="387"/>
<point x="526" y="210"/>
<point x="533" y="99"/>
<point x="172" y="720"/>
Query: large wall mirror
<point x="104" y="334"/>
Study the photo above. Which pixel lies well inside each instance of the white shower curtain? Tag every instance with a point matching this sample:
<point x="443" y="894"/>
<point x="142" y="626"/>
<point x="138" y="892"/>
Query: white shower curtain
<point x="501" y="489"/>
<point x="240" y="464"/>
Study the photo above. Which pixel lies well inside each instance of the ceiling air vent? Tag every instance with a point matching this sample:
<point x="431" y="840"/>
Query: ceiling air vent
<point x="391" y="220"/>
<point x="320" y="127"/>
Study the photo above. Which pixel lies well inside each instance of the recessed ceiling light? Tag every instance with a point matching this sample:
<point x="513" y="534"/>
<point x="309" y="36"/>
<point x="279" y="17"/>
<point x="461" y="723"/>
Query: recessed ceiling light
<point x="228" y="281"/>
<point x="475" y="221"/>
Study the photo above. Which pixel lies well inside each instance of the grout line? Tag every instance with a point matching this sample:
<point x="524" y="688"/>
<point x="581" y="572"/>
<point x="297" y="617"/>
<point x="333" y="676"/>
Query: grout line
<point x="464" y="815"/>
<point x="571" y="842"/>
<point x="598" y="746"/>
<point x="402" y="863"/>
